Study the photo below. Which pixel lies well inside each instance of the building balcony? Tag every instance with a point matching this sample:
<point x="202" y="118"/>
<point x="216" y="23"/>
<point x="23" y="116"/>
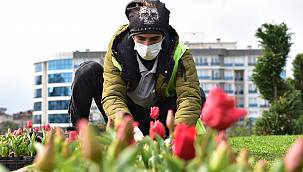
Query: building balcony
<point x="251" y="105"/>
<point x="202" y="64"/>
<point x="239" y="92"/>
<point x="228" y="78"/>
<point x="204" y="77"/>
<point x="238" y="78"/>
<point x="239" y="64"/>
<point x="215" y="63"/>
<point x="229" y="91"/>
<point x="228" y="64"/>
<point x="252" y="91"/>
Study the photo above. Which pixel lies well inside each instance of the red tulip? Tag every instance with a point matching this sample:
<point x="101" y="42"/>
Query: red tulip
<point x="183" y="145"/>
<point x="29" y="124"/>
<point x="219" y="111"/>
<point x="294" y="158"/>
<point x="46" y="127"/>
<point x="36" y="129"/>
<point x="73" y="135"/>
<point x="154" y="112"/>
<point x="156" y="128"/>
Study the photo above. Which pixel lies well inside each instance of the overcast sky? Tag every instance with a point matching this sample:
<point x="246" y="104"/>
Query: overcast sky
<point x="31" y="29"/>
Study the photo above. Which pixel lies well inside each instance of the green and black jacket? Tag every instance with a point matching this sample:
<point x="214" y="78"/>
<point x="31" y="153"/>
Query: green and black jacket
<point x="176" y="74"/>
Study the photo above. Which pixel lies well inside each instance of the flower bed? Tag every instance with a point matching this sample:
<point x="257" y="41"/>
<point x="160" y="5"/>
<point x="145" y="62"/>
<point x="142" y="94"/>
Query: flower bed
<point x="186" y="148"/>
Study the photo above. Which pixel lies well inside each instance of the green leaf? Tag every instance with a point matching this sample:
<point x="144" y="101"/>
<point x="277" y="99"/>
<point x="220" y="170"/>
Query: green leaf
<point x="126" y="158"/>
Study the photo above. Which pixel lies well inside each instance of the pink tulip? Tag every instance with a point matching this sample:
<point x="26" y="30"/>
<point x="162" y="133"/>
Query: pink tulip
<point x="170" y="120"/>
<point x="156" y="128"/>
<point x="294" y="158"/>
<point x="73" y="135"/>
<point x="154" y="112"/>
<point x="36" y="129"/>
<point x="18" y="132"/>
<point x="219" y="111"/>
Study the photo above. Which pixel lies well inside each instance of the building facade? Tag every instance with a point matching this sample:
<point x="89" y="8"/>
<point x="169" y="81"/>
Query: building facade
<point x="222" y="64"/>
<point x="52" y="87"/>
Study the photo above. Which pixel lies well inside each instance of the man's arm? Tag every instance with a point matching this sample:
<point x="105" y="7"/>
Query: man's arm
<point x="114" y="89"/>
<point x="189" y="100"/>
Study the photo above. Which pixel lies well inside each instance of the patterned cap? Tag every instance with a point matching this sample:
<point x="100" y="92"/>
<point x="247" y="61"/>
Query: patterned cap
<point x="147" y="16"/>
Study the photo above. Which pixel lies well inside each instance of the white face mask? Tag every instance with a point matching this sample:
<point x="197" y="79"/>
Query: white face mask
<point x="148" y="52"/>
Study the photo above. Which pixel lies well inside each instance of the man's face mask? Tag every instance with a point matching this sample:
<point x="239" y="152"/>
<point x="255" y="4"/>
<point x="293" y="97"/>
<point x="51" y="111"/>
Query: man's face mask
<point x="148" y="52"/>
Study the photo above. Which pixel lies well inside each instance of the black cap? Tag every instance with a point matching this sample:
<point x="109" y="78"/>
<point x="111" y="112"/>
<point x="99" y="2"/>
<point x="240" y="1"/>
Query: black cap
<point x="147" y="16"/>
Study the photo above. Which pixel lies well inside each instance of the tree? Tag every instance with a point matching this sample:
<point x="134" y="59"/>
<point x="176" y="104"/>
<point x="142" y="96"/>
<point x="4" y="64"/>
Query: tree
<point x="284" y="115"/>
<point x="275" y="41"/>
<point x="6" y="125"/>
<point x="298" y="72"/>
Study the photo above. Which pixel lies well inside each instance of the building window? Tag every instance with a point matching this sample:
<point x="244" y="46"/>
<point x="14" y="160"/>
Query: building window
<point x="239" y="61"/>
<point x="38" y="80"/>
<point x="252" y="60"/>
<point x="228" y="75"/>
<point x="59" y="91"/>
<point x="38" y="93"/>
<point x="215" y="61"/>
<point x="264" y="103"/>
<point x="60" y="78"/>
<point x="37" y="119"/>
<point x="250" y="73"/>
<point x="37" y="106"/>
<point x="252" y="88"/>
<point x="228" y="88"/>
<point x="58" y="105"/>
<point x="58" y="118"/>
<point x="203" y="74"/>
<point x="38" y="67"/>
<point x="201" y="61"/>
<point x="252" y="102"/>
<point x="228" y="61"/>
<point x="60" y="64"/>
<point x="215" y="75"/>
<point x="239" y="89"/>
<point x="240" y="102"/>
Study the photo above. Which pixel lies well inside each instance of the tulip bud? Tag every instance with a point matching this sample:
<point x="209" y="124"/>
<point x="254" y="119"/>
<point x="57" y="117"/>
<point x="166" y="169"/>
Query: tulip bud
<point x="260" y="166"/>
<point x="125" y="137"/>
<point x="59" y="136"/>
<point x="294" y="158"/>
<point x="66" y="149"/>
<point x="219" y="158"/>
<point x="170" y="121"/>
<point x="242" y="159"/>
<point x="45" y="159"/>
<point x="90" y="147"/>
<point x="154" y="112"/>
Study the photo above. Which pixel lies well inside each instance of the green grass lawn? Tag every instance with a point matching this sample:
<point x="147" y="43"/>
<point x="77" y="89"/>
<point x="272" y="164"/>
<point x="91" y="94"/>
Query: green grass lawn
<point x="268" y="148"/>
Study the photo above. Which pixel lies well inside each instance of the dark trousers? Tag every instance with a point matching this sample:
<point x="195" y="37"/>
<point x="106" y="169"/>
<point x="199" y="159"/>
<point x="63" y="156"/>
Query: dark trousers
<point x="88" y="85"/>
